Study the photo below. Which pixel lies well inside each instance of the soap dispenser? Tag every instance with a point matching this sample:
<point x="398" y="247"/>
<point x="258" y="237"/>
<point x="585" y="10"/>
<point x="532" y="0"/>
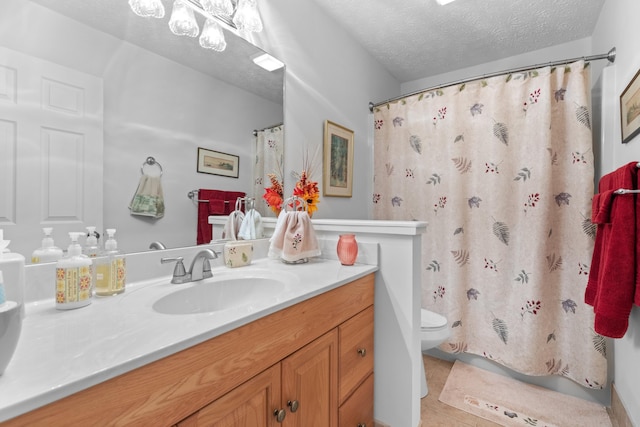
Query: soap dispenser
<point x="91" y="248"/>
<point x="11" y="301"/>
<point x="111" y="271"/>
<point x="48" y="252"/>
<point x="74" y="281"/>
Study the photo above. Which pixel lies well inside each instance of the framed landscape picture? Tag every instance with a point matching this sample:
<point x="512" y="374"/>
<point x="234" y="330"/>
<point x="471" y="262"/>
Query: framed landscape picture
<point x="337" y="161"/>
<point x="217" y="163"/>
<point x="630" y="109"/>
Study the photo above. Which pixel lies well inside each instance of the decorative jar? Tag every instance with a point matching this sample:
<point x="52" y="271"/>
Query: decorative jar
<point x="347" y="249"/>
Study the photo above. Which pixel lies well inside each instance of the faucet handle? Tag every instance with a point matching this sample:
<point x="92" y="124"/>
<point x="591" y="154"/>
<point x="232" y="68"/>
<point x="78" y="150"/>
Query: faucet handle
<point x="179" y="272"/>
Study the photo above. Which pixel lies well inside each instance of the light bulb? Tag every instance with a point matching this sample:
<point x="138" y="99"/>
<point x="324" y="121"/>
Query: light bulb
<point x="247" y="17"/>
<point x="147" y="8"/>
<point x="183" y="22"/>
<point x="212" y="36"/>
<point x="218" y="7"/>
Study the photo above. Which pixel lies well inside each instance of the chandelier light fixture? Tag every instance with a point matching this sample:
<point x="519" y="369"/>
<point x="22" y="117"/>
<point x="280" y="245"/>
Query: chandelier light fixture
<point x="240" y="15"/>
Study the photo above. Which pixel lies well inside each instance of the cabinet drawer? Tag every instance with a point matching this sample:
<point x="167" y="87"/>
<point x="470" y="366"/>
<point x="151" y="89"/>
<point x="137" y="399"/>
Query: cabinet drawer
<point x="356" y="351"/>
<point x="358" y="409"/>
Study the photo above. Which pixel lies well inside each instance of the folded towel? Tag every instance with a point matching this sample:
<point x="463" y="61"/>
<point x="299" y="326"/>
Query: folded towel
<point x="294" y="237"/>
<point x="232" y="226"/>
<point x="601" y="207"/>
<point x="148" y="199"/>
<point x="251" y="227"/>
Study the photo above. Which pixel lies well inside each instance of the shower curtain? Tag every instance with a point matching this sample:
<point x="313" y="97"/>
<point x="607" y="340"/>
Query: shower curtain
<point x="502" y="170"/>
<point x="269" y="159"/>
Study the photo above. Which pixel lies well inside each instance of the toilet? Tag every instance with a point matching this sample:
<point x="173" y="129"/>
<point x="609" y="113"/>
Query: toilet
<point x="434" y="329"/>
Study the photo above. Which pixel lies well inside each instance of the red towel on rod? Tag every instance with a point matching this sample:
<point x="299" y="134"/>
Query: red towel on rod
<point x="213" y="202"/>
<point x="612" y="277"/>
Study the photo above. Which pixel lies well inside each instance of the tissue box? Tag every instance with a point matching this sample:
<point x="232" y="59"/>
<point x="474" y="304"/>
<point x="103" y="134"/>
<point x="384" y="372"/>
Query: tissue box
<point x="238" y="253"/>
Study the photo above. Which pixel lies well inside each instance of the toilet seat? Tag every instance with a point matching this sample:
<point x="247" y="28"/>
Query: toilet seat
<point x="430" y="320"/>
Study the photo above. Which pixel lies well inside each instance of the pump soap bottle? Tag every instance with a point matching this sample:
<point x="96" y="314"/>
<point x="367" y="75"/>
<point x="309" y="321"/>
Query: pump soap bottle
<point x="11" y="301"/>
<point x="48" y="252"/>
<point x="111" y="272"/>
<point x="74" y="281"/>
<point x="91" y="248"/>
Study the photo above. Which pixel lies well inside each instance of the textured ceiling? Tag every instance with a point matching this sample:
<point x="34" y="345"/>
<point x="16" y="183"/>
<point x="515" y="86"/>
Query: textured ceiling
<point x="415" y="39"/>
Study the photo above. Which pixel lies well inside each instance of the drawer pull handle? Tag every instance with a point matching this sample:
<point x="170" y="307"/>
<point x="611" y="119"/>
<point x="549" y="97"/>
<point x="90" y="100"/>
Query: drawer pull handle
<point x="362" y="425"/>
<point x="293" y="405"/>
<point x="362" y="352"/>
<point x="279" y="414"/>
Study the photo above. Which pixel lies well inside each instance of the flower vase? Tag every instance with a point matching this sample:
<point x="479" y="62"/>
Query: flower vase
<point x="347" y="249"/>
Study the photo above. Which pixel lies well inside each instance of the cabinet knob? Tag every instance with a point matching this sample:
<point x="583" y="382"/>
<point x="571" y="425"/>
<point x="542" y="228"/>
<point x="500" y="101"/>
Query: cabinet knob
<point x="362" y="425"/>
<point x="362" y="352"/>
<point x="279" y="414"/>
<point x="293" y="405"/>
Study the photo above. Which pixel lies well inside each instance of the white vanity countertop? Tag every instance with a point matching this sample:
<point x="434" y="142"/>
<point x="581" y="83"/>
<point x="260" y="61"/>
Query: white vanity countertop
<point x="63" y="352"/>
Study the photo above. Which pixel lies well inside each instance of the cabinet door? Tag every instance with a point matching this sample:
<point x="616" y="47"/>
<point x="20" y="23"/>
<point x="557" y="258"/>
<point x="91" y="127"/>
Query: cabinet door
<point x="310" y="378"/>
<point x="251" y="404"/>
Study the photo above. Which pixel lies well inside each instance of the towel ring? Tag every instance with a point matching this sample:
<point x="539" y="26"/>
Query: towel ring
<point x="151" y="162"/>
<point x="294" y="202"/>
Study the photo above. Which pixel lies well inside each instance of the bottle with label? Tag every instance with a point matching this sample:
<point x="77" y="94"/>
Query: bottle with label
<point x="91" y="247"/>
<point x="111" y="271"/>
<point x="49" y="252"/>
<point x="74" y="279"/>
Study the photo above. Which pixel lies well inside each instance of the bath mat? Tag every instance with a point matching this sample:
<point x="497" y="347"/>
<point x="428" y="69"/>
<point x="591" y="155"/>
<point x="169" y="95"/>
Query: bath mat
<point x="510" y="402"/>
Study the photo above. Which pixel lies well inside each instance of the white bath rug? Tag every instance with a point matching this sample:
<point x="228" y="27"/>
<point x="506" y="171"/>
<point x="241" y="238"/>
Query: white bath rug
<point x="510" y="402"/>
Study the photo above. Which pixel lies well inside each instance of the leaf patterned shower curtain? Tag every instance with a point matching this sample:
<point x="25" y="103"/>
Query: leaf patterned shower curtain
<point x="269" y="159"/>
<point x="502" y="170"/>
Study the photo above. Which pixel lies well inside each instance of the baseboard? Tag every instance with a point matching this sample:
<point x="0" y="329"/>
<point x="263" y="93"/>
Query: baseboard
<point x="618" y="412"/>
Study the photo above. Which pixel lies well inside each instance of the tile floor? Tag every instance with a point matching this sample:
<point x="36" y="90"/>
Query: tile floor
<point x="437" y="414"/>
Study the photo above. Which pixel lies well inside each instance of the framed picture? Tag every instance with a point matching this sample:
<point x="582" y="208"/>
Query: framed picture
<point x="630" y="109"/>
<point x="337" y="170"/>
<point x="217" y="163"/>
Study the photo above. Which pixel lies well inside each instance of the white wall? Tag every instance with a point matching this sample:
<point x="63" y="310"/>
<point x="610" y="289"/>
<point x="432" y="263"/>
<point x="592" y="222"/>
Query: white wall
<point x="618" y="27"/>
<point x="329" y="77"/>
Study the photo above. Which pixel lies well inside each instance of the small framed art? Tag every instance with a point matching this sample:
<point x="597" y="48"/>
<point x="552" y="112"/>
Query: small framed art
<point x="337" y="170"/>
<point x="630" y="109"/>
<point x="217" y="163"/>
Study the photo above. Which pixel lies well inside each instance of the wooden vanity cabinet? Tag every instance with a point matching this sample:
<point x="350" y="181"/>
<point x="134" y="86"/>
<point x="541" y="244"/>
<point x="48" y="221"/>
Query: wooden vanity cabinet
<point x="302" y="353"/>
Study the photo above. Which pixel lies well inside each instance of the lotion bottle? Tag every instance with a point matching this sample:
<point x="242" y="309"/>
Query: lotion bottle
<point x="111" y="271"/>
<point x="74" y="280"/>
<point x="48" y="252"/>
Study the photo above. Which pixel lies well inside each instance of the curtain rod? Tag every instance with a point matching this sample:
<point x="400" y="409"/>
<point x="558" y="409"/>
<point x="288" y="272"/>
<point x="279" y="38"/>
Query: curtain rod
<point x="255" y="131"/>
<point x="610" y="56"/>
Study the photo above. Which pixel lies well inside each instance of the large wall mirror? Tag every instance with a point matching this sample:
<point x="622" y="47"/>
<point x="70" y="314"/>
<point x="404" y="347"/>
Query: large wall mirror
<point x="89" y="91"/>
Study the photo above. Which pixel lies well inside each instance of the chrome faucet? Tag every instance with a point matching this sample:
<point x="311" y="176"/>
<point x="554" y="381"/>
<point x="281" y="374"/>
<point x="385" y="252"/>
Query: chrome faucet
<point x="200" y="263"/>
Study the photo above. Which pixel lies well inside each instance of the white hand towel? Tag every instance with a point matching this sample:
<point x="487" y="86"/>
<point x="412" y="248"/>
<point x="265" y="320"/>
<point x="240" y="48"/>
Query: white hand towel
<point x="251" y="227"/>
<point x="148" y="199"/>
<point x="232" y="226"/>
<point x="294" y="237"/>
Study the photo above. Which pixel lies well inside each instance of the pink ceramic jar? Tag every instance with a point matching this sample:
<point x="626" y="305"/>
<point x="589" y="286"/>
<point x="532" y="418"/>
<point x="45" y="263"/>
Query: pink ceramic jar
<point x="347" y="249"/>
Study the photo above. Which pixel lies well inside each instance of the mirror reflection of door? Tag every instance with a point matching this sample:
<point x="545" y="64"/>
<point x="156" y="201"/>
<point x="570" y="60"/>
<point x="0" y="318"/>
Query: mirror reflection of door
<point x="50" y="150"/>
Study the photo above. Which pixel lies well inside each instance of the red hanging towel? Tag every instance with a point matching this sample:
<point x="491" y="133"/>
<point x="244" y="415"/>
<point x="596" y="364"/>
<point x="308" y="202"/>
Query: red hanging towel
<point x="210" y="202"/>
<point x="612" y="277"/>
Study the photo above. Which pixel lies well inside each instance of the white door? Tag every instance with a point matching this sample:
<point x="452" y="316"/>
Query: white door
<point x="51" y="137"/>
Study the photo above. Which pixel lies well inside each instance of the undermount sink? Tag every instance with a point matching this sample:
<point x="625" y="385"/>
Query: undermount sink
<point x="220" y="293"/>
